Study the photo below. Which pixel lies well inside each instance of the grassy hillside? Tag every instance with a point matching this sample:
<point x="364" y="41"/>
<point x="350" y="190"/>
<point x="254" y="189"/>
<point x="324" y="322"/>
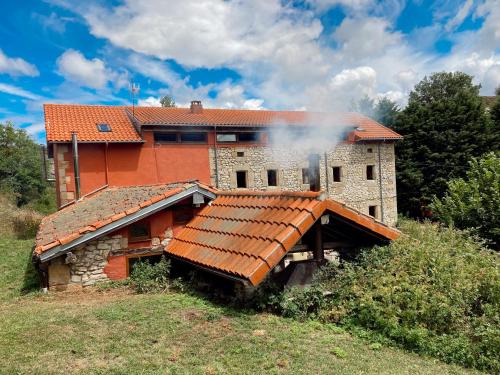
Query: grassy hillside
<point x="117" y="332"/>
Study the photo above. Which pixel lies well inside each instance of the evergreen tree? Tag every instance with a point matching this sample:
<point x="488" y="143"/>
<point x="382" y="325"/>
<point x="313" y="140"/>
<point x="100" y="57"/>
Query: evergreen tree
<point x="444" y="126"/>
<point x="167" y="101"/>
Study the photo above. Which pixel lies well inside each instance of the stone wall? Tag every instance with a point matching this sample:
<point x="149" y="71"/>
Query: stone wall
<point x="354" y="189"/>
<point x="64" y="182"/>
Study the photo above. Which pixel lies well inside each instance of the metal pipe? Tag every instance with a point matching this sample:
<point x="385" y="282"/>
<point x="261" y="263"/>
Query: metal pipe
<point x="76" y="165"/>
<point x="215" y="159"/>
<point x="380" y="183"/>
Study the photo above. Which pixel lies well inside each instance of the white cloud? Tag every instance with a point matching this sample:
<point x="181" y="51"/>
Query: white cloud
<point x="16" y="66"/>
<point x="150" y="101"/>
<point x="459" y="17"/>
<point x="93" y="73"/>
<point x="17" y="91"/>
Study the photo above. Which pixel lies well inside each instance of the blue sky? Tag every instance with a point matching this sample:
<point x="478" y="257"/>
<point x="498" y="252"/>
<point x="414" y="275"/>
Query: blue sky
<point x="309" y="54"/>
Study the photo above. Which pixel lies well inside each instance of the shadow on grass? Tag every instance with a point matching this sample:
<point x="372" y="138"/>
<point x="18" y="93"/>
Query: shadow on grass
<point x="31" y="281"/>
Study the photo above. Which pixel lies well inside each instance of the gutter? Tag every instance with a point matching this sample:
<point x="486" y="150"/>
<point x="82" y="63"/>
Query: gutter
<point x="155" y="207"/>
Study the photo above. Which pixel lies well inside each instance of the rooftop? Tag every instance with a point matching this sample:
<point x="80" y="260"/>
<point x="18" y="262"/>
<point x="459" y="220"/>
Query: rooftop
<point x="246" y="234"/>
<point x="62" y="119"/>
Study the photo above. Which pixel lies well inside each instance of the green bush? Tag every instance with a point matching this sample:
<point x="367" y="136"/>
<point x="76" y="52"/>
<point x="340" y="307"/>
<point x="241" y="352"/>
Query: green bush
<point x="474" y="202"/>
<point x="26" y="223"/>
<point x="148" y="278"/>
<point x="436" y="291"/>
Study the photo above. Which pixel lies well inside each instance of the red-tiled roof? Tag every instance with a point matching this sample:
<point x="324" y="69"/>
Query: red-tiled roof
<point x="62" y="119"/>
<point x="246" y="234"/>
<point x="100" y="209"/>
<point x="239" y="117"/>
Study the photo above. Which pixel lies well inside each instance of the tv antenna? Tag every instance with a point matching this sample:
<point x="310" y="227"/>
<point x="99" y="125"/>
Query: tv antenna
<point x="134" y="89"/>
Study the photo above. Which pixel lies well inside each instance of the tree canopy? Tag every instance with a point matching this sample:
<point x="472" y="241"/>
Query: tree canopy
<point x="444" y="126"/>
<point x="167" y="101"/>
<point x="20" y="164"/>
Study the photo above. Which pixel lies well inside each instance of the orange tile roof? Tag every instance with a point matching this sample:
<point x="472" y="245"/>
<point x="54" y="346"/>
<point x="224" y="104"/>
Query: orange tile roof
<point x="246" y="234"/>
<point x="62" y="119"/>
<point x="99" y="209"/>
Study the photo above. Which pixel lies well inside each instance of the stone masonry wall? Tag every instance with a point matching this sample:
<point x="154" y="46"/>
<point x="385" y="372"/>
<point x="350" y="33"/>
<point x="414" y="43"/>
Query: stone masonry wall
<point x="354" y="189"/>
<point x="64" y="161"/>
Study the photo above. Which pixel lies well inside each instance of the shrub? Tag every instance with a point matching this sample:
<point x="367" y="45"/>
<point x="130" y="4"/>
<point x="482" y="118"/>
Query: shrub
<point x="26" y="223"/>
<point x="474" y="202"/>
<point x="436" y="291"/>
<point x="147" y="277"/>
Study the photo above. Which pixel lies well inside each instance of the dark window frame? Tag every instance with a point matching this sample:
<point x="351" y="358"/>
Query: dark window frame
<point x="245" y="176"/>
<point x="370" y="172"/>
<point x="179" y="136"/>
<point x="158" y="135"/>
<point x="272" y="180"/>
<point x="372" y="211"/>
<point x="222" y="134"/>
<point x="103" y="127"/>
<point x="337" y="173"/>
<point x="256" y="139"/>
<point x="140" y="238"/>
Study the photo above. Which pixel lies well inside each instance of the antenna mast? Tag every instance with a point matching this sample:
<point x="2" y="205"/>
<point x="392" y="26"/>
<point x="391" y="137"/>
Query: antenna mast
<point x="133" y="90"/>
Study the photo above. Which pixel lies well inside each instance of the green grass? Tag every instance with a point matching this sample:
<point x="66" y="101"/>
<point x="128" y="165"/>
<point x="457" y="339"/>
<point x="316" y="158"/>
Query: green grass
<point x="113" y="331"/>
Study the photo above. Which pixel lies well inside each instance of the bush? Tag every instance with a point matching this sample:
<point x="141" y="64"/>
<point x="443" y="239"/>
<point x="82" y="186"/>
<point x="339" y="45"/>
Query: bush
<point x="474" y="203"/>
<point x="26" y="223"/>
<point x="436" y="291"/>
<point x="149" y="278"/>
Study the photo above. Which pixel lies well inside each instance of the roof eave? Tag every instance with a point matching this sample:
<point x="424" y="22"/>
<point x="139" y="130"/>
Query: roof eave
<point x="149" y="210"/>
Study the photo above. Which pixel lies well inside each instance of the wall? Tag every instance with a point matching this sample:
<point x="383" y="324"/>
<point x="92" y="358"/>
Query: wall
<point x="354" y="189"/>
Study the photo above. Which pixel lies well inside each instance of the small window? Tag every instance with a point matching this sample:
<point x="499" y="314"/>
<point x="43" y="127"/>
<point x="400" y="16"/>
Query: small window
<point x="370" y="172"/>
<point x="241" y="179"/>
<point x="165" y="137"/>
<point x="226" y="137"/>
<point x="139" y="232"/>
<point x="372" y="211"/>
<point x="194" y="137"/>
<point x="369" y="150"/>
<point x="103" y="127"/>
<point x="240" y="154"/>
<point x="272" y="177"/>
<point x="182" y="214"/>
<point x="337" y="174"/>
<point x="305" y="175"/>
<point x="248" y="137"/>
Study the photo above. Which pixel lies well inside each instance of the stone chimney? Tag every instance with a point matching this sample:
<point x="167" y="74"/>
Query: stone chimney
<point x="196" y="106"/>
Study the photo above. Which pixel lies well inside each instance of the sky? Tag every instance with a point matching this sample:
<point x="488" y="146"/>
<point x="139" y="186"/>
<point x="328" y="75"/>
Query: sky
<point x="316" y="55"/>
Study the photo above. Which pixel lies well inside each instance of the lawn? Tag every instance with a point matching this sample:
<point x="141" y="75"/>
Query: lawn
<point x="118" y="332"/>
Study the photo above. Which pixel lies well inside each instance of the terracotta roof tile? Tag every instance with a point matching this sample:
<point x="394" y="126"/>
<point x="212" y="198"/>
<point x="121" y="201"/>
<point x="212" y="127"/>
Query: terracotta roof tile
<point x="100" y="209"/>
<point x="62" y="119"/>
<point x="247" y="233"/>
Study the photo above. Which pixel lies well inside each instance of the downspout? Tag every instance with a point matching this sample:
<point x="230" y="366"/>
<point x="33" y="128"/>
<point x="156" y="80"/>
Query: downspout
<point x="216" y="162"/>
<point x="76" y="166"/>
<point x="380" y="183"/>
<point x="326" y="177"/>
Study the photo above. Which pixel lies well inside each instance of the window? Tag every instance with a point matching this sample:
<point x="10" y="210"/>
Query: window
<point x="305" y="175"/>
<point x="226" y="137"/>
<point x="139" y="232"/>
<point x="272" y="177"/>
<point x="369" y="150"/>
<point x="103" y="127"/>
<point x="241" y="179"/>
<point x="240" y="154"/>
<point x="370" y="172"/>
<point x="337" y="174"/>
<point x="182" y="214"/>
<point x="165" y="137"/>
<point x="248" y="137"/>
<point x="194" y="137"/>
<point x="372" y="211"/>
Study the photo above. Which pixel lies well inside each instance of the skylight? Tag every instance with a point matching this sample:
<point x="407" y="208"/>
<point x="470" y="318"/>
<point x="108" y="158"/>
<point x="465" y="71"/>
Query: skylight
<point x="103" y="127"/>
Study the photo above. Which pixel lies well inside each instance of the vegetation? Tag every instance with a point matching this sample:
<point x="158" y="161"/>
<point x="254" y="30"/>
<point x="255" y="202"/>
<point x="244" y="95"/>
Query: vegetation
<point x="474" y="202"/>
<point x="147" y="277"/>
<point x="17" y="222"/>
<point x="434" y="291"/>
<point x="116" y="331"/>
<point x="444" y="125"/>
<point x="167" y="101"/>
<point x="20" y="165"/>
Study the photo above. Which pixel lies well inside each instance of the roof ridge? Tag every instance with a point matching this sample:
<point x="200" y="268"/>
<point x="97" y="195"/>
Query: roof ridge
<point x="273" y="193"/>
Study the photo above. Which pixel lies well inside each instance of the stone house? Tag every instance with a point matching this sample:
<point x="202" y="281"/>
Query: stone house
<point x="97" y="146"/>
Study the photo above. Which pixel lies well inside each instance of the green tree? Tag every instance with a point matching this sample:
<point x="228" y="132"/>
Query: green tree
<point x="167" y="101"/>
<point x="386" y="112"/>
<point x="474" y="202"/>
<point x="20" y="164"/>
<point x="444" y="125"/>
